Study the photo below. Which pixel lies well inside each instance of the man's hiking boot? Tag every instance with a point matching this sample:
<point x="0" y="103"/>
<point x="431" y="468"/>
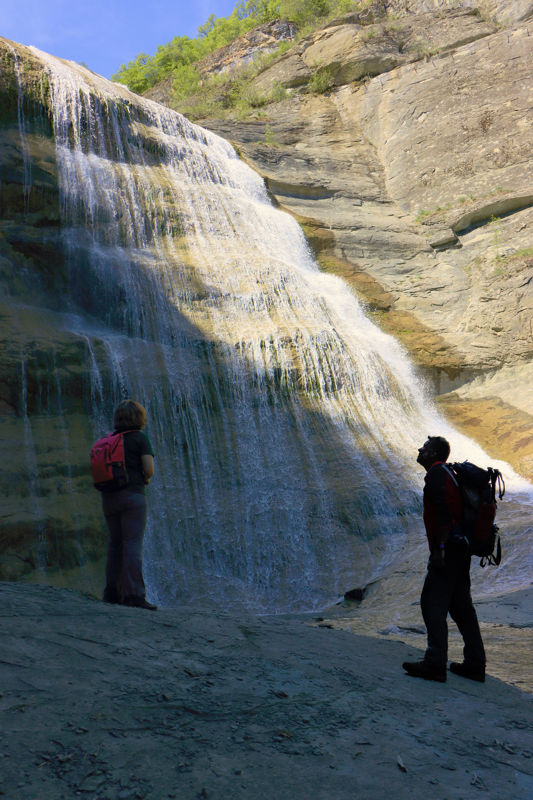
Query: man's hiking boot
<point x="466" y="670"/>
<point x="421" y="669"/>
<point x="139" y="602"/>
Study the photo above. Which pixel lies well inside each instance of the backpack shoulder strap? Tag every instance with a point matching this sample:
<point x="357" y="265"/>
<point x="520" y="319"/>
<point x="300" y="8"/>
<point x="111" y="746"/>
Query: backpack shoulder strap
<point x="451" y="474"/>
<point x="497" y="482"/>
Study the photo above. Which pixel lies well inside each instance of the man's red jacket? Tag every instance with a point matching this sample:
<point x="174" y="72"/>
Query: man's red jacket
<point x="443" y="509"/>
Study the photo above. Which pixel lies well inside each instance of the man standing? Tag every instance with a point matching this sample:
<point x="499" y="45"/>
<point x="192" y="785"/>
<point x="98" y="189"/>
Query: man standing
<point x="447" y="584"/>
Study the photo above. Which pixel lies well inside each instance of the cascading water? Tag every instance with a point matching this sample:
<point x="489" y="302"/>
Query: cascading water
<point x="22" y="126"/>
<point x="285" y="424"/>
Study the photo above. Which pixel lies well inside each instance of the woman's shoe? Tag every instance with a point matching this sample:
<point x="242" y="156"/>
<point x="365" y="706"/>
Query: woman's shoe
<point x="139" y="602"/>
<point x="110" y="595"/>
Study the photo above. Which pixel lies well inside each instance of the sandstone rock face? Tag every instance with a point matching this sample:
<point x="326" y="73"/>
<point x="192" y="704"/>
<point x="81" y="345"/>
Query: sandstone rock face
<point x="503" y="11"/>
<point x="350" y="55"/>
<point x="42" y="375"/>
<point x="483" y="131"/>
<point x="259" y="41"/>
<point x="415" y="186"/>
<point x="356" y="47"/>
<point x="453" y="149"/>
<point x="290" y="71"/>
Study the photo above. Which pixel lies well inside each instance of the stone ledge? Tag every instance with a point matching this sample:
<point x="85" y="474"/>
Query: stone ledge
<point x="497" y="208"/>
<point x="441" y="239"/>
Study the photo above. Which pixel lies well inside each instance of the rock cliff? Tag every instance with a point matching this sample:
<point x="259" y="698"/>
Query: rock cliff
<point x="48" y="516"/>
<point x="411" y="175"/>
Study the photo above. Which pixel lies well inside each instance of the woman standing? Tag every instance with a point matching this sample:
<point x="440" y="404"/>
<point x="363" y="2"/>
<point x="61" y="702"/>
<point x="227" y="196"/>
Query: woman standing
<point x="125" y="511"/>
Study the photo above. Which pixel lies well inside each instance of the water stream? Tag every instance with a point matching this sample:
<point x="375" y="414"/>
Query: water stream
<point x="285" y="423"/>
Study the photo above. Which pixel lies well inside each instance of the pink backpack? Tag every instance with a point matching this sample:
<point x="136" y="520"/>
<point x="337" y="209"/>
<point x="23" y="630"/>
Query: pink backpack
<point x="108" y="465"/>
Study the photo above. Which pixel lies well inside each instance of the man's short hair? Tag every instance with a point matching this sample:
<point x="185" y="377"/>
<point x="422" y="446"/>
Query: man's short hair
<point x="440" y="447"/>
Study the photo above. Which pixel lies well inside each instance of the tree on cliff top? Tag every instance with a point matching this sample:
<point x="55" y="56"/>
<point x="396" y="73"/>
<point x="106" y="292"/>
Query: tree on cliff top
<point x="173" y="58"/>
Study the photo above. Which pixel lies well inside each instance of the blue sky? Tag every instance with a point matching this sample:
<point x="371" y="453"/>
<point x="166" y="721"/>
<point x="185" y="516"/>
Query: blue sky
<point x="104" y="34"/>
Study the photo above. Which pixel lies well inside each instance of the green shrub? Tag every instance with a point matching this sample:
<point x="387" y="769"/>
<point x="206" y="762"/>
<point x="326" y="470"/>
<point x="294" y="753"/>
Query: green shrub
<point x="186" y="80"/>
<point x="304" y="11"/>
<point x="423" y="49"/>
<point x="277" y="93"/>
<point x="270" y="137"/>
<point x="320" y="81"/>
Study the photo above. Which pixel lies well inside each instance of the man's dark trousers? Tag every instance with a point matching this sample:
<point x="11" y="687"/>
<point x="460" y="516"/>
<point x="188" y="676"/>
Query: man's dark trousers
<point x="447" y="590"/>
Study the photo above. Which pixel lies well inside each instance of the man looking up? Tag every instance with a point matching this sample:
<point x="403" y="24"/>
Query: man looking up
<point x="447" y="584"/>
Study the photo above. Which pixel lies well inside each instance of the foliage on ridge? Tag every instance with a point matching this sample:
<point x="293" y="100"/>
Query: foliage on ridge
<point x="177" y="58"/>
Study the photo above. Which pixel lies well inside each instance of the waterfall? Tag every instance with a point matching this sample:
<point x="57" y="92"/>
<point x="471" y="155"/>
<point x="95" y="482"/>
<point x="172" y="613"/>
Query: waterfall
<point x="26" y="157"/>
<point x="285" y="423"/>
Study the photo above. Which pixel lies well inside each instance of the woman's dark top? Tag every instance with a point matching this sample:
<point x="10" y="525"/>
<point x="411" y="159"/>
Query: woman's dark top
<point x="136" y="444"/>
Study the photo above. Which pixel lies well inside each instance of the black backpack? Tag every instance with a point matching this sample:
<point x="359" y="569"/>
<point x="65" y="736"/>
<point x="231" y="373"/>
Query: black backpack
<point x="478" y="492"/>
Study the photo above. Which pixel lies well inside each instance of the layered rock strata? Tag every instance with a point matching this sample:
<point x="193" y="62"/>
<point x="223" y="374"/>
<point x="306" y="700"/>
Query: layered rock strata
<point x="412" y="177"/>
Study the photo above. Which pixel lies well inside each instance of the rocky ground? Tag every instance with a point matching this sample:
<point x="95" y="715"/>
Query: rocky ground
<point x="111" y="702"/>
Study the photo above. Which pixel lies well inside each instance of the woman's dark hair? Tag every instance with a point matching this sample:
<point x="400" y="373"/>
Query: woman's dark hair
<point x="440" y="447"/>
<point x="129" y="414"/>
